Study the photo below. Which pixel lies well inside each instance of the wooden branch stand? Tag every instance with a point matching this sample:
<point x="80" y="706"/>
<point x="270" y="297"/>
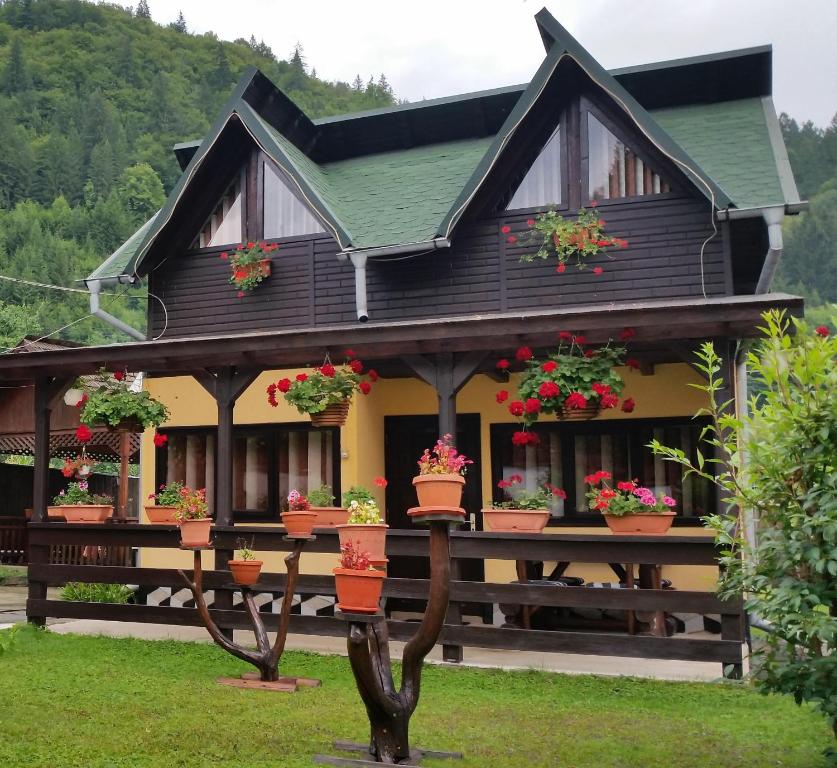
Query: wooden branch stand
<point x="389" y="710"/>
<point x="265" y="657"/>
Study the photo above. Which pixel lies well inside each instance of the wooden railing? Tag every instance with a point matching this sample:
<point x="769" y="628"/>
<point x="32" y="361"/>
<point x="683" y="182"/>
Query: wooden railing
<point x="576" y="548"/>
<point x="13" y="543"/>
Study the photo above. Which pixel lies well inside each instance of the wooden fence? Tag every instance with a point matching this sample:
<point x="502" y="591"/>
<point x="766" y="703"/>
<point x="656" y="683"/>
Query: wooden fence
<point x="727" y="650"/>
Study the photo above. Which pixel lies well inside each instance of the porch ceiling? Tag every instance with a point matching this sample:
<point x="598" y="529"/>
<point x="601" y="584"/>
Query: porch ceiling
<point x="657" y="323"/>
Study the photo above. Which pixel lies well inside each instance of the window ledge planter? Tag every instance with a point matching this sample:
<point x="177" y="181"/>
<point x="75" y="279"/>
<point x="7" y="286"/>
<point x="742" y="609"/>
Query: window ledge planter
<point x="160" y="514"/>
<point x="515" y="520"/>
<point x="245" y="572"/>
<point x="358" y="591"/>
<point x="330" y="517"/>
<point x="648" y="523"/>
<point x="82" y="513"/>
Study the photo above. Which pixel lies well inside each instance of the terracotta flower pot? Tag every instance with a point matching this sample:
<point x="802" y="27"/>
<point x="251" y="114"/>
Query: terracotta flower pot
<point x="160" y="514"/>
<point x="85" y="513"/>
<point x="366" y="538"/>
<point x="590" y="411"/>
<point x="515" y="520"/>
<point x="358" y="591"/>
<point x="245" y="572"/>
<point x="195" y="533"/>
<point x="439" y="490"/>
<point x="650" y="524"/>
<point x="299" y="523"/>
<point x="329" y="517"/>
<point x="333" y="415"/>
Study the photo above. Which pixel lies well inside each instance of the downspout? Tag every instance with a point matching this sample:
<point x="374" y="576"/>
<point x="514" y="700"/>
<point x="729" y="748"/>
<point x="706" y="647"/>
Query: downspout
<point x="773" y="218"/>
<point x="94" y="287"/>
<point x="359" y="261"/>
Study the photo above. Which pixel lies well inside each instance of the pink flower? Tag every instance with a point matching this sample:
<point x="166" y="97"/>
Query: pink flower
<point x="504" y="484"/>
<point x="669" y="502"/>
<point x="648" y="501"/>
<point x="224" y="256"/>
<point x="530" y="222"/>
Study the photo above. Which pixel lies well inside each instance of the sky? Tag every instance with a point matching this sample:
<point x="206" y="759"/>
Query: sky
<point x="438" y="48"/>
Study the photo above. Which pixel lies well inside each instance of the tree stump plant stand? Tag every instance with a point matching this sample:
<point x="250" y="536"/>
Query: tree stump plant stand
<point x="265" y="657"/>
<point x="389" y="709"/>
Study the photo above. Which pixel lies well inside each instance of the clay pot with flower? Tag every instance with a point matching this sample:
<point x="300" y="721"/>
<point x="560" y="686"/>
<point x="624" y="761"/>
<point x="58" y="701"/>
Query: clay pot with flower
<point x="524" y="510"/>
<point x="322" y="504"/>
<point x="193" y="518"/>
<point x="441" y="477"/>
<point x="112" y="402"/>
<point x="249" y="265"/>
<point x="299" y="519"/>
<point x="77" y="505"/>
<point x="357" y="583"/>
<point x="325" y="394"/>
<point x="630" y="508"/>
<point x="165" y="503"/>
<point x="244" y="567"/>
<point x="569" y="240"/>
<point x="366" y="529"/>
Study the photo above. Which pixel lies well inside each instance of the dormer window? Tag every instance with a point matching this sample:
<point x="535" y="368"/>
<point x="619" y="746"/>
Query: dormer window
<point x="285" y="215"/>
<point x="614" y="169"/>
<point x="541" y="186"/>
<point x="224" y="225"/>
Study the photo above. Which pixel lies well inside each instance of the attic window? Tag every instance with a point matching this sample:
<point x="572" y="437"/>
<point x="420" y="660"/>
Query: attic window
<point x="223" y="227"/>
<point x="541" y="185"/>
<point x="285" y="215"/>
<point x="615" y="170"/>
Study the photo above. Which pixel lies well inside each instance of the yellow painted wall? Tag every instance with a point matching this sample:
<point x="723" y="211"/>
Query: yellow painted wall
<point x="664" y="394"/>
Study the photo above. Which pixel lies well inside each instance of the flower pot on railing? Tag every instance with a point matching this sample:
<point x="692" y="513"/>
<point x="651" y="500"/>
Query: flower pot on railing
<point x="371" y="538"/>
<point x="333" y="415"/>
<point x="515" y="520"/>
<point x="299" y="523"/>
<point x="358" y="591"/>
<point x="161" y="514"/>
<point x="439" y="490"/>
<point x="245" y="572"/>
<point x="330" y="517"/>
<point x="647" y="524"/>
<point x="82" y="513"/>
<point x="195" y="532"/>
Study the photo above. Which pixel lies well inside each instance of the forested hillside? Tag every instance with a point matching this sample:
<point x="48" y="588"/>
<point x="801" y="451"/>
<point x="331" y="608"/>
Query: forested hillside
<point x="92" y="99"/>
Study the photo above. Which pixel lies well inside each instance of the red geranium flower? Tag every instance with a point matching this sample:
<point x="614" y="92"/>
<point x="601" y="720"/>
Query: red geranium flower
<point x="119" y="375"/>
<point x="381" y="482"/>
<point x="549" y="389"/>
<point x="251" y="245"/>
<point x="502" y="396"/>
<point x="83" y="433"/>
<point x="503" y="364"/>
<point x="372" y="374"/>
<point x="821" y="330"/>
<point x="504" y="484"/>
<point x="561" y="268"/>
<point x="283" y="385"/>
<point x="271" y="395"/>
<point x="600" y="389"/>
<point x="597" y="270"/>
<point x="525" y="438"/>
<point x="530" y="222"/>
<point x="365" y="387"/>
<point x="511" y="239"/>
<point x="350" y="353"/>
<point x="515" y="479"/>
<point x="84" y="398"/>
<point x="523" y="354"/>
<point x="575" y="400"/>
<point x="626" y="485"/>
<point x="516" y="407"/>
<point x="549" y="366"/>
<point x="609" y="400"/>
<point x="556" y="491"/>
<point x="505" y="229"/>
<point x="356" y="366"/>
<point x="626" y="334"/>
<point x="632" y="362"/>
<point x="580" y="340"/>
<point x="532" y="405"/>
<point x="628" y="405"/>
<point x="160" y="440"/>
<point x="593" y="203"/>
<point x="565" y="336"/>
<point x="590" y="352"/>
<point x="224" y="256"/>
<point x="301" y="376"/>
<point x="327" y="370"/>
<point x="240" y="294"/>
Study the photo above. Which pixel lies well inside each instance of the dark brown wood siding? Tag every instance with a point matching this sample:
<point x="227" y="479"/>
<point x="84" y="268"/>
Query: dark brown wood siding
<point x="482" y="272"/>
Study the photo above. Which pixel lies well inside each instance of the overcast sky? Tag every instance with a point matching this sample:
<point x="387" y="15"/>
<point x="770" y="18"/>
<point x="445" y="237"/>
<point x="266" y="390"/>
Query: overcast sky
<point x="437" y="48"/>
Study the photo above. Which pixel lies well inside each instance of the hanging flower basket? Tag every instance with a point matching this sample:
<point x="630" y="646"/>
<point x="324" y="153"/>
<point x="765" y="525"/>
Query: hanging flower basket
<point x="589" y="411"/>
<point x="325" y="394"/>
<point x="112" y="403"/>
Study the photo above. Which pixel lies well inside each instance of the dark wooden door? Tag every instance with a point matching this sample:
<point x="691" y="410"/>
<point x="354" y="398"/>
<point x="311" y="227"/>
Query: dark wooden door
<point x="405" y="439"/>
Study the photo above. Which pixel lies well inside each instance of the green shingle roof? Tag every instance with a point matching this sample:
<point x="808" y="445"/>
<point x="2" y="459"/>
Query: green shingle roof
<point x="121" y="261"/>
<point x="731" y="140"/>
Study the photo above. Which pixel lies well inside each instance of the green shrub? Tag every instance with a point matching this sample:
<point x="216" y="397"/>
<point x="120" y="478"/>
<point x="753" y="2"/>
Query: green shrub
<point x="96" y="593"/>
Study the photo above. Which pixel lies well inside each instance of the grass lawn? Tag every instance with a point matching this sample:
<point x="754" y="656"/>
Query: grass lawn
<point x="12" y="575"/>
<point x="99" y="702"/>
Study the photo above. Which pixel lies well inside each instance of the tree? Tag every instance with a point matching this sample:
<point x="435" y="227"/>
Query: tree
<point x="16" y="76"/>
<point x="777" y="468"/>
<point x="180" y="24"/>
<point x="143" y="11"/>
<point x="141" y="192"/>
<point x="16" y="321"/>
<point x="357" y="84"/>
<point x="297" y="60"/>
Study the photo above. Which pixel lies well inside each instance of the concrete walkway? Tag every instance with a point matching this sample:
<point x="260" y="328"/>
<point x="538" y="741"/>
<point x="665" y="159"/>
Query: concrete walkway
<point x="13" y="610"/>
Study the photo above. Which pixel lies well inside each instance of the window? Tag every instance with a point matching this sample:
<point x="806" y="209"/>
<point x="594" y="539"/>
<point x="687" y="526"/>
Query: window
<point x="541" y="186"/>
<point x="615" y="170"/>
<point x="284" y="214"/>
<point x="568" y="452"/>
<point x="268" y="462"/>
<point x="224" y="225"/>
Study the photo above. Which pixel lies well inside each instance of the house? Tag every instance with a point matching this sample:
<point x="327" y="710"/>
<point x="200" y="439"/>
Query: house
<point x="400" y="235"/>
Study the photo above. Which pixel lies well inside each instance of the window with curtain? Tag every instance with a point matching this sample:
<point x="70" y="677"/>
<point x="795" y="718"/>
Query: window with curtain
<point x="568" y="452"/>
<point x="541" y="186"/>
<point x="614" y="169"/>
<point x="285" y="215"/>
<point x="225" y="224"/>
<point x="268" y="462"/>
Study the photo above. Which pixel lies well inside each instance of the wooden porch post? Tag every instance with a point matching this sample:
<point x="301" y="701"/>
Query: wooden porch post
<point x="226" y="386"/>
<point x="447" y="375"/>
